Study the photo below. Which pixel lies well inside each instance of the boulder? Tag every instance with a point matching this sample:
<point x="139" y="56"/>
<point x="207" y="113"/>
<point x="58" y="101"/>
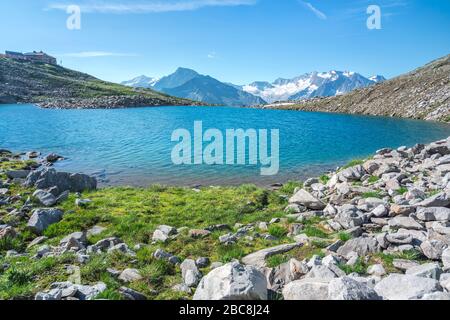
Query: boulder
<point x="45" y="198"/>
<point x="48" y="178"/>
<point x="190" y="273"/>
<point x="17" y="174"/>
<point x="376" y="270"/>
<point x="233" y="281"/>
<point x="259" y="258"/>
<point x="130" y="275"/>
<point x="433" y="214"/>
<point x="349" y="216"/>
<point x="446" y="259"/>
<point x="303" y="197"/>
<point x="433" y="249"/>
<point x="41" y="219"/>
<point x="427" y="270"/>
<point x="441" y="199"/>
<point x="286" y="273"/>
<point x="405" y="222"/>
<point x="406" y="287"/>
<point x="352" y="174"/>
<point x="347" y="288"/>
<point x="306" y="290"/>
<point x="362" y="246"/>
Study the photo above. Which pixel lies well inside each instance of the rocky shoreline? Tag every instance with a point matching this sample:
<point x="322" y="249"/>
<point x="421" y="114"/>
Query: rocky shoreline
<point x="377" y="229"/>
<point x="110" y="102"/>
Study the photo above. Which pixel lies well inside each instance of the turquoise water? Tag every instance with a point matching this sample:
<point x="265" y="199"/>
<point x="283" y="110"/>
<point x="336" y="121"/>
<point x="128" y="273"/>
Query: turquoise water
<point x="133" y="146"/>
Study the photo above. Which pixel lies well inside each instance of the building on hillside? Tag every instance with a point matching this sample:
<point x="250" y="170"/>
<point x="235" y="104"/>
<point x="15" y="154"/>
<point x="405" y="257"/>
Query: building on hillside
<point x="31" y="56"/>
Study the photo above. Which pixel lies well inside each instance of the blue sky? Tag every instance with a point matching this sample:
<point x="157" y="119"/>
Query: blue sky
<point x="237" y="41"/>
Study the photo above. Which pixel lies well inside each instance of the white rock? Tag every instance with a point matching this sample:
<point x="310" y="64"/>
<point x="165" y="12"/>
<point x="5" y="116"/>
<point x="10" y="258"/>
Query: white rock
<point x="406" y="287"/>
<point x="347" y="288"/>
<point x="306" y="289"/>
<point x="427" y="270"/>
<point x="233" y="281"/>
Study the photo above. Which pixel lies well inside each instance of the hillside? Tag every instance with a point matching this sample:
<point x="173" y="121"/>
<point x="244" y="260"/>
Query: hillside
<point x="421" y="94"/>
<point x="57" y="87"/>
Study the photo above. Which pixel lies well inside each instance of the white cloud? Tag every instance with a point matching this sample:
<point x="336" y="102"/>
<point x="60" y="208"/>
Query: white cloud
<point x="149" y="6"/>
<point x="212" y="55"/>
<point x="319" y="14"/>
<point x="97" y="54"/>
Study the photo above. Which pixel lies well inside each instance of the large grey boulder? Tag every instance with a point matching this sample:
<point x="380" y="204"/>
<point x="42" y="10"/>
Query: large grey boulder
<point x="347" y="288"/>
<point x="362" y="246"/>
<point x="349" y="216"/>
<point x="48" y="178"/>
<point x="306" y="199"/>
<point x="17" y="174"/>
<point x="406" y="287"/>
<point x="259" y="258"/>
<point x="433" y="249"/>
<point x="352" y="174"/>
<point x="427" y="270"/>
<point x="405" y="222"/>
<point x="233" y="281"/>
<point x="441" y="199"/>
<point x="324" y="272"/>
<point x="306" y="289"/>
<point x="433" y="214"/>
<point x="41" y="219"/>
<point x="286" y="273"/>
<point x="45" y="198"/>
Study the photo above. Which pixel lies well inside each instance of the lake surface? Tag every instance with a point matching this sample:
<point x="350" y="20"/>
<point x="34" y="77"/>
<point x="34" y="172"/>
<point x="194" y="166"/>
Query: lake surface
<point x="133" y="146"/>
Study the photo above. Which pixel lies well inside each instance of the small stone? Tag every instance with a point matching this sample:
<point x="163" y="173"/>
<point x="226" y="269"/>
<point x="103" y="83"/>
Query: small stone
<point x="130" y="275"/>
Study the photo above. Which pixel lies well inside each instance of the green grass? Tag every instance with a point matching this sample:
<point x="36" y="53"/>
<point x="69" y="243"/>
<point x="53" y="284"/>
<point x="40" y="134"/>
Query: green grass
<point x="276" y="260"/>
<point x="353" y="163"/>
<point x="373" y="179"/>
<point x="324" y="179"/>
<point x="374" y="194"/>
<point x="278" y="231"/>
<point x="359" y="267"/>
<point x="313" y="231"/>
<point x="344" y="236"/>
<point x="402" y="190"/>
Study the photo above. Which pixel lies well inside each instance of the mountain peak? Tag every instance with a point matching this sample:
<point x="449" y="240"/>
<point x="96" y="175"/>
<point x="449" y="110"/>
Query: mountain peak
<point x="310" y="85"/>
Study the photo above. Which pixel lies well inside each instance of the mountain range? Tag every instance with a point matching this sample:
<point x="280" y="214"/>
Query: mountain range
<point x="311" y="85"/>
<point x="189" y="84"/>
<point x="420" y="94"/>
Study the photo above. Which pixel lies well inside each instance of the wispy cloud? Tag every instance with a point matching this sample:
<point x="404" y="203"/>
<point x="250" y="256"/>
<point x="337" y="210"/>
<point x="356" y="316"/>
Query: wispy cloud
<point x="97" y="54"/>
<point x="319" y="14"/>
<point x="212" y="55"/>
<point x="149" y="6"/>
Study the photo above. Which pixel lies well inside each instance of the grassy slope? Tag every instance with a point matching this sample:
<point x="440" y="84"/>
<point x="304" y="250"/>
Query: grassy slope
<point x="133" y="214"/>
<point x="37" y="82"/>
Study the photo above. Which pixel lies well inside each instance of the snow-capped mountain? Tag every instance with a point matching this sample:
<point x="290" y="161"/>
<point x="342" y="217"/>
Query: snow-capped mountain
<point x="310" y="85"/>
<point x="189" y="84"/>
<point x="141" y="82"/>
